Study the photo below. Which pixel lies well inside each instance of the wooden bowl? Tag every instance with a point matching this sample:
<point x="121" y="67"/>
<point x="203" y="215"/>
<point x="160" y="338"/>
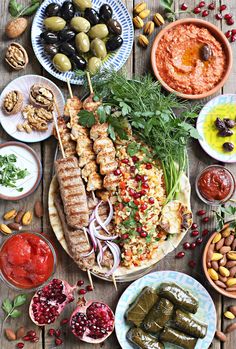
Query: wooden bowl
<point x="217" y="33"/>
<point x="204" y="259"/>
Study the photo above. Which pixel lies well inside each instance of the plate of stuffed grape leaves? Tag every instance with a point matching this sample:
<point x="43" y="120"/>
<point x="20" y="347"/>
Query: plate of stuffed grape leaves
<point x="165" y="310"/>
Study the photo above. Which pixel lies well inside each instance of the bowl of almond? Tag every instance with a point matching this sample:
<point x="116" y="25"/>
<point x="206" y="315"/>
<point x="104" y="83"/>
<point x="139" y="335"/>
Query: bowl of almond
<point x="219" y="260"/>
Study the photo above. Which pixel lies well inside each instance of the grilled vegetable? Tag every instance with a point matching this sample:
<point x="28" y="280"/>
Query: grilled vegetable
<point x="189" y="325"/>
<point x="178" y="338"/>
<point x="143" y="340"/>
<point x="158" y="316"/>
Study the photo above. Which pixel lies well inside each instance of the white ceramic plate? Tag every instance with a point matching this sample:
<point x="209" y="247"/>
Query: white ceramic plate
<point x="26" y="158"/>
<point x="114" y="60"/>
<point x="228" y="101"/>
<point x="206" y="311"/>
<point x="9" y="122"/>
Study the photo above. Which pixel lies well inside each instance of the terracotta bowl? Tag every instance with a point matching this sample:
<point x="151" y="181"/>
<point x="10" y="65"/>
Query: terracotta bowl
<point x="217" y="33"/>
<point x="204" y="259"/>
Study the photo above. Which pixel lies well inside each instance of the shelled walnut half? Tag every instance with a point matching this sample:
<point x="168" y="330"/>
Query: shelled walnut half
<point x="16" y="56"/>
<point x="35" y="119"/>
<point x="42" y="96"/>
<point x="13" y="102"/>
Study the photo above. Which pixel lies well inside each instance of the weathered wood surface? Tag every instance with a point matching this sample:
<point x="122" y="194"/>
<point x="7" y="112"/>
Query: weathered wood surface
<point x="138" y="63"/>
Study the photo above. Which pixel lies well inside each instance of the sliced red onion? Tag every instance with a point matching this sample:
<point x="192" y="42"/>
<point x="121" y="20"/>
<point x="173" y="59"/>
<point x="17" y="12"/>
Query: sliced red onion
<point x="109" y="218"/>
<point x="91" y="232"/>
<point x="88" y="253"/>
<point x="115" y="250"/>
<point x="100" y="255"/>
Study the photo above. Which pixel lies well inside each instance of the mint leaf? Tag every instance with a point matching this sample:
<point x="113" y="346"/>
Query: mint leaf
<point x="15" y="314"/>
<point x="7" y="305"/>
<point x="86" y="118"/>
<point x="14" y="8"/>
<point x="19" y="300"/>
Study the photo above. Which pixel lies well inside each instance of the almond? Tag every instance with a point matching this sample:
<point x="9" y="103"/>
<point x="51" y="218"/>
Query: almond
<point x="20" y="332"/>
<point x="19" y="216"/>
<point x="4" y="229"/>
<point x="230" y="328"/>
<point x="14" y="226"/>
<point x="10" y="334"/>
<point x="221" y="336"/>
<point x="38" y="209"/>
<point x="9" y="215"/>
<point x="232" y="308"/>
<point x="27" y="218"/>
<point x="16" y="27"/>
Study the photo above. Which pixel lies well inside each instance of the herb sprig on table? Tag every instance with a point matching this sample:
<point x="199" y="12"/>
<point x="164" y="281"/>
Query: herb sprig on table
<point x="168" y="6"/>
<point x="16" y="9"/>
<point x="222" y="212"/>
<point x="9" y="172"/>
<point x="9" y="307"/>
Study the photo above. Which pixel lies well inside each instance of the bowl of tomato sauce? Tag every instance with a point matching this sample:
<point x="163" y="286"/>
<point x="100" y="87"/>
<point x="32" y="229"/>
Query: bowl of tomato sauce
<point x="27" y="260"/>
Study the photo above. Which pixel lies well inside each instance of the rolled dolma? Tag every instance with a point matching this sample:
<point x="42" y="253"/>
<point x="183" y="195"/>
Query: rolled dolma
<point x="158" y="316"/>
<point x="182" y="299"/>
<point x="139" y="309"/>
<point x="178" y="338"/>
<point x="188" y="324"/>
<point x="143" y="340"/>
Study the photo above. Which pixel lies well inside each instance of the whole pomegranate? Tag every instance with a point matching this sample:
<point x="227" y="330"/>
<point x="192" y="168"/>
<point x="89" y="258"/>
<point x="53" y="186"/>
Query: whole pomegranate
<point x="47" y="303"/>
<point x="92" y="322"/>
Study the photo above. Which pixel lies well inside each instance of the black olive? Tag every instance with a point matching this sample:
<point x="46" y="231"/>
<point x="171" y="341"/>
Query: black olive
<point x="79" y="62"/>
<point x="66" y="35"/>
<point x="67" y="11"/>
<point x="92" y="16"/>
<point x="105" y="12"/>
<point x="220" y="124"/>
<point x="51" y="49"/>
<point x="114" y="27"/>
<point x="228" y="146"/>
<point x="229" y="123"/>
<point x="52" y="10"/>
<point x="205" y="52"/>
<point x="49" y="37"/>
<point x="114" y="43"/>
<point x="67" y="49"/>
<point x="226" y="133"/>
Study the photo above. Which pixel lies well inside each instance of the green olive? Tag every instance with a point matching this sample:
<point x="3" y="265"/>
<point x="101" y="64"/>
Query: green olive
<point x="82" y="4"/>
<point x="94" y="64"/>
<point x="98" y="48"/>
<point x="54" y="23"/>
<point x="99" y="31"/>
<point x="61" y="62"/>
<point x="80" y="24"/>
<point x="82" y="42"/>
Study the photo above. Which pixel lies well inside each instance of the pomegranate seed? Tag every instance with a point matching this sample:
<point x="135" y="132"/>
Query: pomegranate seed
<point x="31" y="333"/>
<point x="205" y="232"/>
<point x="136" y="202"/>
<point x="89" y="288"/>
<point x="135" y="158"/>
<point x="205" y="219"/>
<point x="233" y="31"/>
<point x="26" y="338"/>
<point x="145" y="186"/>
<point x="138" y="178"/>
<point x="230" y="21"/>
<point x="80" y="282"/>
<point x="125" y="161"/>
<point x="144" y="178"/>
<point x="143" y="207"/>
<point x="199" y="241"/>
<point x="194" y="226"/>
<point x="151" y="201"/>
<point x="131" y="192"/>
<point x="148" y="166"/>
<point x="143" y="192"/>
<point x="192" y="264"/>
<point x="205" y="13"/>
<point x="132" y="169"/>
<point x="228" y="34"/>
<point x="201" y="212"/>
<point x="233" y="38"/>
<point x="137" y="195"/>
<point x="64" y="321"/>
<point x="228" y="16"/>
<point x="218" y="16"/>
<point x="57" y="333"/>
<point x="212" y="6"/>
<point x="20" y="345"/>
<point x="117" y="172"/>
<point x="82" y="291"/>
<point x="124" y="236"/>
<point x="180" y="254"/>
<point x="51" y="332"/>
<point x="192" y="246"/>
<point x="184" y="7"/>
<point x="186" y="245"/>
<point x="58" y="341"/>
<point x="143" y="234"/>
<point x="197" y="10"/>
<point x="223" y="7"/>
<point x="139" y="229"/>
<point x="195" y="233"/>
<point x="201" y="4"/>
<point x="34" y="339"/>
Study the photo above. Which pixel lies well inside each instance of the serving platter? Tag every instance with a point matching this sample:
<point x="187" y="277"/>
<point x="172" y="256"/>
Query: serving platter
<point x="114" y="61"/>
<point x="205" y="313"/>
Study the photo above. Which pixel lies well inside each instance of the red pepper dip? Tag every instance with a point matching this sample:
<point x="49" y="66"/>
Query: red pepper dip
<point x="216" y="183"/>
<point x="26" y="260"/>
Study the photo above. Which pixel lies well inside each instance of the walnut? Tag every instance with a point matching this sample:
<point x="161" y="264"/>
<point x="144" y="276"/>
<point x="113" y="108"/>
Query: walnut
<point x="16" y="56"/>
<point x="36" y="118"/>
<point x="42" y="96"/>
<point x="13" y="102"/>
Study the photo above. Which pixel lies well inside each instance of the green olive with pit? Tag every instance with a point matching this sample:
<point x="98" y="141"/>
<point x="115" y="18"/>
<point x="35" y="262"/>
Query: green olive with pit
<point x="61" y="62"/>
<point x="98" y="48"/>
<point x="80" y="24"/>
<point x="82" y="42"/>
<point x="99" y="31"/>
<point x="82" y="4"/>
<point x="54" y="23"/>
<point x="94" y="65"/>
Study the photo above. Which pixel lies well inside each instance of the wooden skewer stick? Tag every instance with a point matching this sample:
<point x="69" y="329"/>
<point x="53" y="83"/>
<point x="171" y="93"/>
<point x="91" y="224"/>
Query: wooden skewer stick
<point x="69" y="88"/>
<point x="114" y="281"/>
<point x="90" y="83"/>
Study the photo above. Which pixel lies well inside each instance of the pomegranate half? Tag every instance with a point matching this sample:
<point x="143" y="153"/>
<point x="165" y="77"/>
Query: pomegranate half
<point x="92" y="322"/>
<point x="47" y="303"/>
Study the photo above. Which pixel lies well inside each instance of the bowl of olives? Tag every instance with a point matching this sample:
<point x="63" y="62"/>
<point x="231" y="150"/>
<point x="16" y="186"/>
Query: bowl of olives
<point x="71" y="37"/>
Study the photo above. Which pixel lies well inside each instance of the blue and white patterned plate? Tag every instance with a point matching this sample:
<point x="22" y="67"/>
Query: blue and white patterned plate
<point x="205" y="313"/>
<point x="114" y="60"/>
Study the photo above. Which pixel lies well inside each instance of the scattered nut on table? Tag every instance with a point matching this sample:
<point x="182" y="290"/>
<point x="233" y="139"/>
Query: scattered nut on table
<point x="141" y="6"/>
<point x="158" y="19"/>
<point x="16" y="56"/>
<point x="16" y="27"/>
<point x="13" y="102"/>
<point x="42" y="96"/>
<point x="35" y="119"/>
<point x="143" y="40"/>
<point x="138" y="22"/>
<point x="149" y="28"/>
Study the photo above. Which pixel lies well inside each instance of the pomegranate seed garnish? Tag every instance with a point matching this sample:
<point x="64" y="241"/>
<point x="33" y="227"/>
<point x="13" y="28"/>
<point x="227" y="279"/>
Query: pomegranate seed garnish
<point x="233" y="31"/>
<point x="136" y="202"/>
<point x="205" y="232"/>
<point x="201" y="212"/>
<point x="212" y="6"/>
<point x="186" y="245"/>
<point x="192" y="246"/>
<point x="199" y="241"/>
<point x="51" y="332"/>
<point x="58" y="341"/>
<point x="192" y="264"/>
<point x="143" y="192"/>
<point x="205" y="219"/>
<point x="151" y="201"/>
<point x="26" y="338"/>
<point x="197" y="10"/>
<point x="143" y="207"/>
<point x="145" y="186"/>
<point x="135" y="158"/>
<point x="143" y="234"/>
<point x="144" y="178"/>
<point x="138" y="177"/>
<point x="137" y="195"/>
<point x="125" y="161"/>
<point x="205" y="13"/>
<point x="228" y="16"/>
<point x="58" y="333"/>
<point x="201" y="4"/>
<point x="195" y="233"/>
<point x="228" y="34"/>
<point x="194" y="226"/>
<point x="31" y="333"/>
<point x="230" y="21"/>
<point x="233" y="38"/>
<point x="218" y="16"/>
<point x="180" y="254"/>
<point x="139" y="229"/>
<point x="131" y="192"/>
<point x="20" y="345"/>
<point x="132" y="169"/>
<point x="124" y="236"/>
<point x="82" y="291"/>
<point x="117" y="172"/>
<point x="223" y="7"/>
<point x="148" y="166"/>
<point x="89" y="288"/>
<point x="184" y="7"/>
<point x="80" y="282"/>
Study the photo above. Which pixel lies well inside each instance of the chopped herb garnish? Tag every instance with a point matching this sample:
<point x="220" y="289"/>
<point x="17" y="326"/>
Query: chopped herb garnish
<point x="10" y="173"/>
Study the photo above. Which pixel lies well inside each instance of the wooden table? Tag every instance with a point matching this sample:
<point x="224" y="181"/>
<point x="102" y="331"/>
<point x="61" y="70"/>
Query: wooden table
<point x="138" y="63"/>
